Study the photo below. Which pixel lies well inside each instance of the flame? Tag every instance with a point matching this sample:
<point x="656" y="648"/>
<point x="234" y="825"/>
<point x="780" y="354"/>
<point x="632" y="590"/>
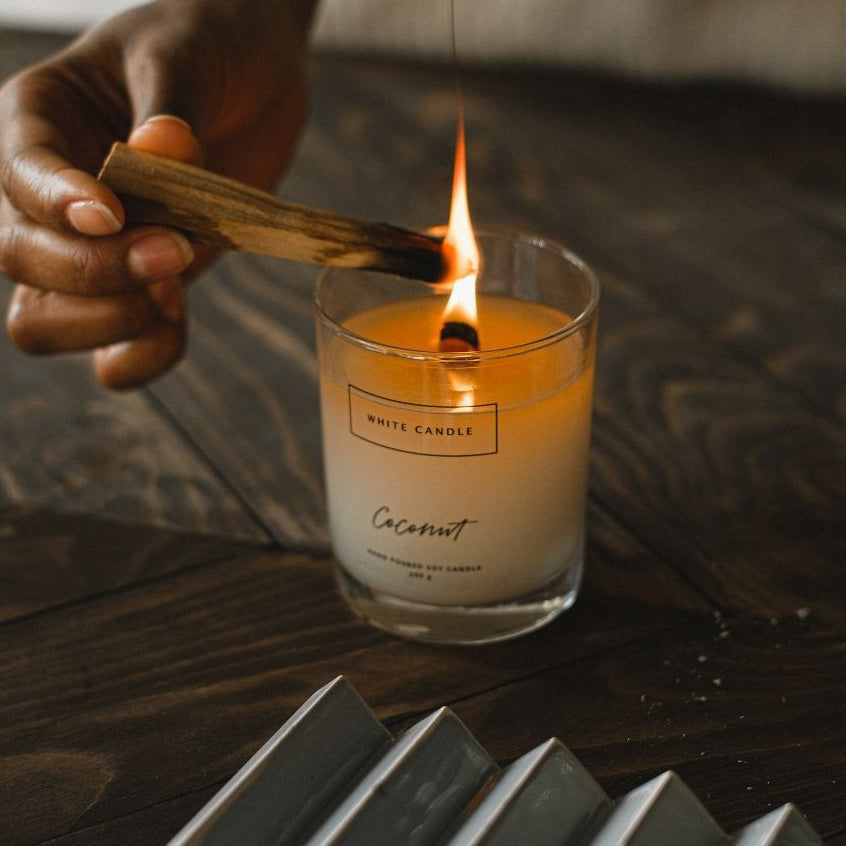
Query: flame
<point x="460" y="248"/>
<point x="461" y="253"/>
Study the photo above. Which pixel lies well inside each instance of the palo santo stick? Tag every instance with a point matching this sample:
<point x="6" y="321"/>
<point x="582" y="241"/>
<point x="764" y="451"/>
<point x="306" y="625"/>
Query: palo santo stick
<point x="223" y="211"/>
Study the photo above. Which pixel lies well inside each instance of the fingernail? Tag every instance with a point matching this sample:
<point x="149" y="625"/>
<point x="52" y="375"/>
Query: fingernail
<point x="167" y="135"/>
<point x="169" y="298"/>
<point x="155" y="256"/>
<point x="91" y="217"/>
<point x="174" y="118"/>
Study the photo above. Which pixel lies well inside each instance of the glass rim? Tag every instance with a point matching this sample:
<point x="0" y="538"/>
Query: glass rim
<point x="536" y="240"/>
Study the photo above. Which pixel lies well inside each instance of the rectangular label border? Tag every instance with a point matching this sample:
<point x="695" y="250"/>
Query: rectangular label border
<point x="493" y="405"/>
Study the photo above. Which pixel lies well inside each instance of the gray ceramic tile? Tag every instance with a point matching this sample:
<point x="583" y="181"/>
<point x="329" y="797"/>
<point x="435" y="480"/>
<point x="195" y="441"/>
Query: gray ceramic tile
<point x="544" y="798"/>
<point x="660" y="812"/>
<point x="415" y="791"/>
<point x="287" y="784"/>
<point x="785" y="826"/>
<point x="333" y="776"/>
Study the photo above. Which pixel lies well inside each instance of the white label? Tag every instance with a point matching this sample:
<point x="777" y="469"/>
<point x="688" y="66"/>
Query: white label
<point x="408" y="517"/>
<point x="443" y="431"/>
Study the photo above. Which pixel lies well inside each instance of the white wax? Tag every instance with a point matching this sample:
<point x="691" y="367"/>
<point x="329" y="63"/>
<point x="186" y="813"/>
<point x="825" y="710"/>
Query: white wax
<point x="457" y="485"/>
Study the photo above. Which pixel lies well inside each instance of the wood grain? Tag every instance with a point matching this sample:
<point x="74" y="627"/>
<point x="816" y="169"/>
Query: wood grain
<point x="79" y="557"/>
<point x="637" y="181"/>
<point x="247" y="395"/>
<point x="129" y="689"/>
<point x="698" y="447"/>
<point x="156" y="824"/>
<point x="204" y="664"/>
<point x="653" y="705"/>
<point x="728" y="479"/>
<point x="68" y="443"/>
<point x="222" y="211"/>
<point x="725" y="703"/>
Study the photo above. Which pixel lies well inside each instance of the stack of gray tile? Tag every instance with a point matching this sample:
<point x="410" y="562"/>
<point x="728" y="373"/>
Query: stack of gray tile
<point x="334" y="775"/>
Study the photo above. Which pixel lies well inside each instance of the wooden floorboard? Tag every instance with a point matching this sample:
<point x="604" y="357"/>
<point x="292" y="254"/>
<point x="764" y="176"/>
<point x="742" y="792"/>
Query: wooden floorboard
<point x="685" y="699"/>
<point x="156" y="824"/>
<point x="203" y="665"/>
<point x="721" y="474"/>
<point x="728" y="476"/>
<point x="688" y="411"/>
<point x="633" y="179"/>
<point x="70" y="445"/>
<point x="49" y="560"/>
<point x="721" y="702"/>
<point x="765" y="134"/>
<point x="247" y="396"/>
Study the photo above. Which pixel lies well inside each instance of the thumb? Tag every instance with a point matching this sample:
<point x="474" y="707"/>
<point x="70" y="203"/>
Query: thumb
<point x="169" y="136"/>
<point x="166" y="94"/>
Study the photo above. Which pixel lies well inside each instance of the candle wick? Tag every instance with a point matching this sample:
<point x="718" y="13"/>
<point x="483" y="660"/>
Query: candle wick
<point x="458" y="336"/>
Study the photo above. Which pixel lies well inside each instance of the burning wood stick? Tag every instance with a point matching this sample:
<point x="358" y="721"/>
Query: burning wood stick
<point x="223" y="211"/>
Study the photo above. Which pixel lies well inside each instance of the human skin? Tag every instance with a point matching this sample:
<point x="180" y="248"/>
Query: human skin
<point x="214" y="82"/>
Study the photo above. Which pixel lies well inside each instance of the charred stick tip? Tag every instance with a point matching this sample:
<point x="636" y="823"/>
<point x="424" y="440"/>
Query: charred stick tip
<point x="457" y="336"/>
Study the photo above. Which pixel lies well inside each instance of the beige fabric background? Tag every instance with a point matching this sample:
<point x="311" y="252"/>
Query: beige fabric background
<point x="794" y="44"/>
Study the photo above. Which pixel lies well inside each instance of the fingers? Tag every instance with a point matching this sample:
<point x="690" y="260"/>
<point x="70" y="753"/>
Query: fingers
<point x="37" y="175"/>
<point x="140" y="335"/>
<point x="132" y="363"/>
<point x="43" y="258"/>
<point x="44" y="187"/>
<point x="43" y="322"/>
<point x="84" y="281"/>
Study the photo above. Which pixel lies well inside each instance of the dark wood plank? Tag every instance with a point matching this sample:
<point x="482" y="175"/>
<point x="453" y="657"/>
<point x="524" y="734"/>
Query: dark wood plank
<point x="156" y="824"/>
<point x="699" y="448"/>
<point x="735" y="482"/>
<point x="714" y="242"/>
<point x="248" y="392"/>
<point x="770" y="732"/>
<point x="750" y="715"/>
<point x="633" y="179"/>
<point x="738" y="486"/>
<point x="793" y="145"/>
<point x="49" y="559"/>
<point x="67" y="443"/>
<point x="120" y="702"/>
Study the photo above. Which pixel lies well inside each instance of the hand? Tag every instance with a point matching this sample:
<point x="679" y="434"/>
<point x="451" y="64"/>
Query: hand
<point x="214" y="82"/>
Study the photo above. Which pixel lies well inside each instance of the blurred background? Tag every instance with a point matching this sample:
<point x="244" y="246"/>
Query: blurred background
<point x="798" y="45"/>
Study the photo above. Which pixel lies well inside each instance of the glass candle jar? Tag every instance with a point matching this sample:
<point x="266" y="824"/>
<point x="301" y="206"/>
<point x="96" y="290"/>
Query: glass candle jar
<point x="456" y="482"/>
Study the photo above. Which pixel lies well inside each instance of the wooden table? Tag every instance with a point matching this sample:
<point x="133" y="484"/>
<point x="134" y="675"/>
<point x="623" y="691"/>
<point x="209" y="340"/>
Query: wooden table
<point x="165" y="590"/>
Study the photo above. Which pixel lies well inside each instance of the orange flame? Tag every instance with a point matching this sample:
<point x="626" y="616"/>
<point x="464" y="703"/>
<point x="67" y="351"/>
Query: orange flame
<point x="460" y="248"/>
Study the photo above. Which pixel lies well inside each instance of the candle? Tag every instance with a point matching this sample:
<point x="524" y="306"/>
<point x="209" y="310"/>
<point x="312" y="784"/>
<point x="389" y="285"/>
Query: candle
<point x="456" y="482"/>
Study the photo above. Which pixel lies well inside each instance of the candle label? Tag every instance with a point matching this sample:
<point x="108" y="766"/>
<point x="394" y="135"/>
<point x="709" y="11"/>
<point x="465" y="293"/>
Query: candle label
<point x="438" y="430"/>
